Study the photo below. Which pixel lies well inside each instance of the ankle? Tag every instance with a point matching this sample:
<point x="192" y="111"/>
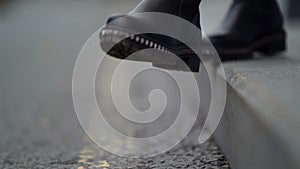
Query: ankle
<point x="189" y="10"/>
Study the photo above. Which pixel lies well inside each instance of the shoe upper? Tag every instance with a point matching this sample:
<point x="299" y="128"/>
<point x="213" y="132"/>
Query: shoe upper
<point x="185" y="9"/>
<point x="246" y="22"/>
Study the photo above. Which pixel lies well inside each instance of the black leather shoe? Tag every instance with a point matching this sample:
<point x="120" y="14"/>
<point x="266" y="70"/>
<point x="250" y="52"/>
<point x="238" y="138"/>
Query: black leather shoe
<point x="113" y="32"/>
<point x="250" y="26"/>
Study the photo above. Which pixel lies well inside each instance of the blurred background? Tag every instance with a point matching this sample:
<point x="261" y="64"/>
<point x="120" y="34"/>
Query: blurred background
<point x="40" y="41"/>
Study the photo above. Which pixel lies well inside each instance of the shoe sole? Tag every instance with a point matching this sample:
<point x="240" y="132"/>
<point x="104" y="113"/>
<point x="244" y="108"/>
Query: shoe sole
<point x="121" y="44"/>
<point x="268" y="46"/>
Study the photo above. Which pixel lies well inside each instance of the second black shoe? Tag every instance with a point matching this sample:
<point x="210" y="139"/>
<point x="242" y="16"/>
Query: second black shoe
<point x="117" y="28"/>
<point x="250" y="26"/>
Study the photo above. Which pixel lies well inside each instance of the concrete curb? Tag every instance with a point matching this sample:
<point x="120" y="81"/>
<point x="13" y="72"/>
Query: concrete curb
<point x="260" y="126"/>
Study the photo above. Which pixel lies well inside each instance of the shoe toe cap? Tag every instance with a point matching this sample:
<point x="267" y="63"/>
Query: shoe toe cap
<point x="114" y="17"/>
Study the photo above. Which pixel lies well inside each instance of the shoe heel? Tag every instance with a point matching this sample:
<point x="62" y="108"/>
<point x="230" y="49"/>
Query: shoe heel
<point x="192" y="64"/>
<point x="273" y="47"/>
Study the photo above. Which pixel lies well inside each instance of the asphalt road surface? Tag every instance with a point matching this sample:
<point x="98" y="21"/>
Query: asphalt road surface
<point x="52" y="138"/>
<point x="40" y="41"/>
